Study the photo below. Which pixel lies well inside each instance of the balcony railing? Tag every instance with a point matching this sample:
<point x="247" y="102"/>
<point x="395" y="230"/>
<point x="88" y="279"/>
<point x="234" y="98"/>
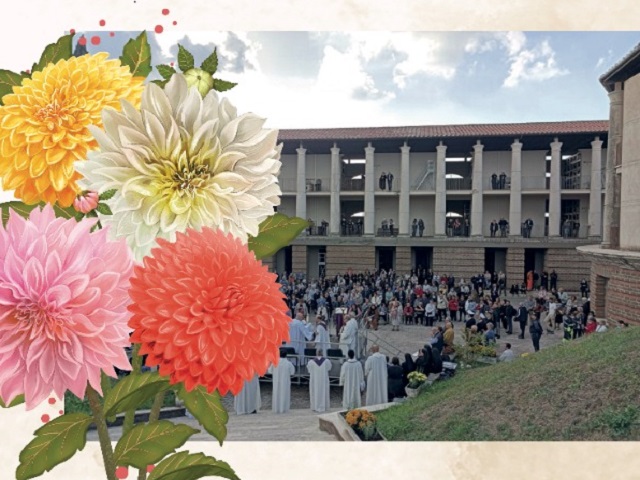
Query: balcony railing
<point x="318" y="230"/>
<point x="351" y="185"/>
<point x="458" y="184"/>
<point x="351" y="229"/>
<point x="534" y="183"/>
<point x="287" y="184"/>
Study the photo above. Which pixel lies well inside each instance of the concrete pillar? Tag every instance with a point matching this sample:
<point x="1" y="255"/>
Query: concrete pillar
<point x="554" y="189"/>
<point x="441" y="191"/>
<point x="405" y="188"/>
<point x="515" y="196"/>
<point x="476" y="191"/>
<point x="369" y="192"/>
<point x="611" y="227"/>
<point x="595" y="197"/>
<point x="301" y="187"/>
<point x="336" y="173"/>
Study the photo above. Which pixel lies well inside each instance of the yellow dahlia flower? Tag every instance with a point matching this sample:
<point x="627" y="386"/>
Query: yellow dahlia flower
<point x="44" y="124"/>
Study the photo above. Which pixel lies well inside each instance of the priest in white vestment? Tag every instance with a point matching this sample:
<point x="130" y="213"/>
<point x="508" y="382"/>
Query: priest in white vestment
<point x="375" y="369"/>
<point x="248" y="399"/>
<point x="352" y="379"/>
<point x="349" y="336"/>
<point x="323" y="341"/>
<point x="299" y="333"/>
<point x="282" y="373"/>
<point x="319" y="368"/>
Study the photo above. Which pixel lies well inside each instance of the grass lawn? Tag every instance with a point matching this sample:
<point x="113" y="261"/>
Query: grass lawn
<point x="587" y="389"/>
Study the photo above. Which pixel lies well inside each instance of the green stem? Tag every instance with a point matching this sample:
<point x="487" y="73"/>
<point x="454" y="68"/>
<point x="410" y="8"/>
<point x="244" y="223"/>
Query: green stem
<point x="136" y="367"/>
<point x="154" y="415"/>
<point x="103" y="433"/>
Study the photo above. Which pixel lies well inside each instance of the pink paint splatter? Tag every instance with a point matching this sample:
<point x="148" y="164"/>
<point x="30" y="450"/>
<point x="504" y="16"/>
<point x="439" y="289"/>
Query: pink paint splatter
<point x="159" y="29"/>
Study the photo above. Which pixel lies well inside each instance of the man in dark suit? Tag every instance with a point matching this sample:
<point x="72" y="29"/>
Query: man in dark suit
<point x="509" y="312"/>
<point x="523" y="314"/>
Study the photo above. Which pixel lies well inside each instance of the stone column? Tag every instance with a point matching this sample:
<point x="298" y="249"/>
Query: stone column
<point x="369" y="192"/>
<point x="515" y="196"/>
<point x="301" y="187"/>
<point x="336" y="174"/>
<point x="476" y="191"/>
<point x="611" y="227"/>
<point x="441" y="191"/>
<point x="595" y="197"/>
<point x="555" y="205"/>
<point x="405" y="188"/>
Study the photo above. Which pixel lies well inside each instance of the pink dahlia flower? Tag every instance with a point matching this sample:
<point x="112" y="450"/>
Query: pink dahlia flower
<point x="86" y="202"/>
<point x="63" y="306"/>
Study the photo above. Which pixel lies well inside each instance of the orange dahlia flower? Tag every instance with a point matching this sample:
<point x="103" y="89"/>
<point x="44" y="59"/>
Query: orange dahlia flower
<point x="44" y="124"/>
<point x="207" y="312"/>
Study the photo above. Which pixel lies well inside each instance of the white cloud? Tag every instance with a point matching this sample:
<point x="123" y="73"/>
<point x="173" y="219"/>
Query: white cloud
<point x="533" y="64"/>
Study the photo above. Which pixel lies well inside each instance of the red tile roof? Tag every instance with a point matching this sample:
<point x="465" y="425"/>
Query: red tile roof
<point x="447" y="131"/>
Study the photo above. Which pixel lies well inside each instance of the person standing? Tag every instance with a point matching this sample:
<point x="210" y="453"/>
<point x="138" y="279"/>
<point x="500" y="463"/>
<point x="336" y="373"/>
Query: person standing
<point x="502" y="182"/>
<point x="395" y="382"/>
<point x="323" y="340"/>
<point x="394" y="314"/>
<point x="494" y="181"/>
<point x="349" y="336"/>
<point x="352" y="381"/>
<point x="248" y="399"/>
<point x="535" y="329"/>
<point x="299" y="334"/>
<point x="414" y="227"/>
<point x="509" y="313"/>
<point x="553" y="280"/>
<point x="281" y="375"/>
<point x="390" y="180"/>
<point x="383" y="181"/>
<point x="375" y="369"/>
<point x="420" y="227"/>
<point x="503" y="224"/>
<point x="319" y="396"/>
<point x="530" y="280"/>
<point x="493" y="228"/>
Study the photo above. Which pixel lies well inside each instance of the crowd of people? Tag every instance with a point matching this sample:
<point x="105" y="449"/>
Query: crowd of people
<point x="420" y="297"/>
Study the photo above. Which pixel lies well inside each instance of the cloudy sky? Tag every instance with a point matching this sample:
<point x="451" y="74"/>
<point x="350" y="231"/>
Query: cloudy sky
<point x="351" y="79"/>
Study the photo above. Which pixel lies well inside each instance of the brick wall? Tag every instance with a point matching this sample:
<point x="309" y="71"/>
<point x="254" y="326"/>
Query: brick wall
<point x="299" y="259"/>
<point x="515" y="266"/>
<point x="615" y="291"/>
<point x="270" y="262"/>
<point x="403" y="259"/>
<point x="357" y="257"/>
<point x="461" y="262"/>
<point x="570" y="266"/>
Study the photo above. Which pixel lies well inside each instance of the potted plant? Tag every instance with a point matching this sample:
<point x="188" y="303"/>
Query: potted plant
<point x="416" y="381"/>
<point x="364" y="423"/>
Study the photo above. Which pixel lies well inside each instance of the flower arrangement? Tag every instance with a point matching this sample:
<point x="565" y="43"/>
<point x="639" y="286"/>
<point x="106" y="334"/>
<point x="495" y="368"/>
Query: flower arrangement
<point x="145" y="208"/>
<point x="363" y="423"/>
<point x="416" y="379"/>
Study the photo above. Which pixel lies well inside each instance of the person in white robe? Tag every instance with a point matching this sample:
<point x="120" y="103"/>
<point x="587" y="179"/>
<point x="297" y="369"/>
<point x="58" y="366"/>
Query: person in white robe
<point x="248" y="399"/>
<point x="282" y="373"/>
<point x="319" y="368"/>
<point x="375" y="369"/>
<point x="352" y="379"/>
<point x="349" y="336"/>
<point x="299" y="333"/>
<point x="323" y="341"/>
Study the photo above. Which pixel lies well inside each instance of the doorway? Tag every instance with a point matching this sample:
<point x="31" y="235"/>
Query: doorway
<point x="495" y="259"/>
<point x="421" y="257"/>
<point x="533" y="260"/>
<point x="385" y="258"/>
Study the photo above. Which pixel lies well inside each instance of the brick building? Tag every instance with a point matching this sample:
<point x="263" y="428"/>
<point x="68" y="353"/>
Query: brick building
<point x="457" y="179"/>
<point x="615" y="273"/>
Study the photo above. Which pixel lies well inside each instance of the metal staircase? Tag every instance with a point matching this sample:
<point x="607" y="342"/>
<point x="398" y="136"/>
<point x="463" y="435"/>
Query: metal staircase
<point x="430" y="170"/>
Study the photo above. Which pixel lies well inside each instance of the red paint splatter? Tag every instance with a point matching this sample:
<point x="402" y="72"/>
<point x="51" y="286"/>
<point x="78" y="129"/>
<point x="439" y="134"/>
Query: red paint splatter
<point x="175" y="23"/>
<point x="45" y="418"/>
<point x="150" y="468"/>
<point x="52" y="401"/>
<point x="102" y="23"/>
<point x="72" y="31"/>
<point x="159" y="29"/>
<point x="28" y="72"/>
<point x="172" y="64"/>
<point x="82" y="40"/>
<point x="165" y="11"/>
<point x="112" y="34"/>
<point x="61" y="412"/>
<point x="122" y="472"/>
<point x="95" y="40"/>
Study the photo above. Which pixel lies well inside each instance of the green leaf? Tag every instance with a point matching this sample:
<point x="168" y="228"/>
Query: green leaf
<point x="55" y="443"/>
<point x="210" y="64"/>
<point x="19" y="400"/>
<point x="185" y="59"/>
<point x="166" y="71"/>
<point x="24" y="210"/>
<point x="222" y="85"/>
<point x="147" y="444"/>
<point x="276" y="232"/>
<point x="160" y="83"/>
<point x="104" y="209"/>
<point x="207" y="409"/>
<point x="61" y="50"/>
<point x="136" y="54"/>
<point x="186" y="466"/>
<point x="108" y="195"/>
<point x="8" y="80"/>
<point x="132" y="391"/>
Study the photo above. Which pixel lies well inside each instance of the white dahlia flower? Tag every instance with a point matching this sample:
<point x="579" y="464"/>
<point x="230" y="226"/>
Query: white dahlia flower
<point x="181" y="162"/>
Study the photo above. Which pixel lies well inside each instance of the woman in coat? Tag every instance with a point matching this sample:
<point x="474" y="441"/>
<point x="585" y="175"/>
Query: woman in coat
<point x="395" y="380"/>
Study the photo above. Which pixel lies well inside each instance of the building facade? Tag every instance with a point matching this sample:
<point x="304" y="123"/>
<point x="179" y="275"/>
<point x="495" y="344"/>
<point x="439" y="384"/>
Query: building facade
<point x="615" y="273"/>
<point x="542" y="181"/>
